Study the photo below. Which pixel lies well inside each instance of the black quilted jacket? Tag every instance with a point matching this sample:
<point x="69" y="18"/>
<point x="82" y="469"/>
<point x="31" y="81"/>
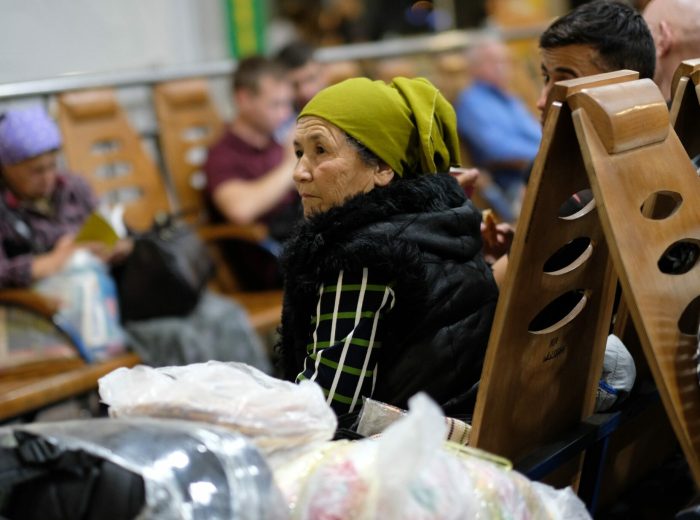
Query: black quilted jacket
<point x="424" y="236"/>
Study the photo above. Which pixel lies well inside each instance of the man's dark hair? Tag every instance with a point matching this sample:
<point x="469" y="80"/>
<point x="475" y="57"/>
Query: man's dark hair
<point x="617" y="31"/>
<point x="295" y="55"/>
<point x="250" y="70"/>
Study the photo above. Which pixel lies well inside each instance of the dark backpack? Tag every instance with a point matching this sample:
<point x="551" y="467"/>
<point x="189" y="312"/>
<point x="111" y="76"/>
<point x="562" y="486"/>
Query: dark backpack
<point x="40" y="481"/>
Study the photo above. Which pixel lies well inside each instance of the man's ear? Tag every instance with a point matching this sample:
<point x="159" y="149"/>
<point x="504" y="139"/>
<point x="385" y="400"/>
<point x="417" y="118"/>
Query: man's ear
<point x="242" y="96"/>
<point x="665" y="39"/>
<point x="383" y="175"/>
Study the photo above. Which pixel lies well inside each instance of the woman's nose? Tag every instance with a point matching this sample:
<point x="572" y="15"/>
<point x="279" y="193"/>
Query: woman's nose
<point x="301" y="171"/>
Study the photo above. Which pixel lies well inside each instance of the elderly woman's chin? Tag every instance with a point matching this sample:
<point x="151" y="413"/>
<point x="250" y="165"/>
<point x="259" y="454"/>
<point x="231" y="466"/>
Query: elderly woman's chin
<point x="311" y="205"/>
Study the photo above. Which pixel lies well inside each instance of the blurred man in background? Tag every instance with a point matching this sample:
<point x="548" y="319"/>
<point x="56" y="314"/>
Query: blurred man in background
<point x="304" y="72"/>
<point x="500" y="133"/>
<point x="675" y="27"/>
<point x="249" y="173"/>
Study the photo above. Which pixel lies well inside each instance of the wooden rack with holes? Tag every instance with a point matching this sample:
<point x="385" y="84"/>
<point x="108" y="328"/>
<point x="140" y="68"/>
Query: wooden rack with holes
<point x="609" y="134"/>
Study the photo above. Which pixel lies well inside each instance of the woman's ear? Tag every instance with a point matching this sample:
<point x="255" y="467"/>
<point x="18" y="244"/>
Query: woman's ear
<point x="383" y="175"/>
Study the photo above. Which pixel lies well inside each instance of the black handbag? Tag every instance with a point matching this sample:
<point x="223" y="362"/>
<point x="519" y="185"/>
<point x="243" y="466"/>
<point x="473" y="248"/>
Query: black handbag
<point x="165" y="273"/>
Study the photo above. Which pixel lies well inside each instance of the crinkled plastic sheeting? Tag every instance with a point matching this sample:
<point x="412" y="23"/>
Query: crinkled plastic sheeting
<point x="190" y="470"/>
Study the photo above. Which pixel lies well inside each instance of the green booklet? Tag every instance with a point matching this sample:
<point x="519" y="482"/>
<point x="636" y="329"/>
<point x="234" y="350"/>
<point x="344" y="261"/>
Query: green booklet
<point x="97" y="228"/>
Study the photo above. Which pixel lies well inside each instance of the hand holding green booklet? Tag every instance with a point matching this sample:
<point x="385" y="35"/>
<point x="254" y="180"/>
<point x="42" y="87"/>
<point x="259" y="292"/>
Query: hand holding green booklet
<point x="97" y="228"/>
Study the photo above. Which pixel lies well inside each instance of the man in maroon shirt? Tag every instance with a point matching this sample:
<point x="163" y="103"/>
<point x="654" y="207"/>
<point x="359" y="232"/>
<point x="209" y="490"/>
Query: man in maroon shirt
<point x="249" y="173"/>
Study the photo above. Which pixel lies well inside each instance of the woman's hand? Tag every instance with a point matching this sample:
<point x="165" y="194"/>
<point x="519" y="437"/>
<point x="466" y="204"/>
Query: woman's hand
<point x="52" y="262"/>
<point x="120" y="251"/>
<point x="497" y="237"/>
<point x="111" y="255"/>
<point x="466" y="178"/>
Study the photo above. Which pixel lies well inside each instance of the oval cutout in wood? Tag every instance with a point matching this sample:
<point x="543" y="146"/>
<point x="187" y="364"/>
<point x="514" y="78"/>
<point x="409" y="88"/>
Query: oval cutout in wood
<point x="123" y="195"/>
<point x="559" y="312"/>
<point x="664" y="204"/>
<point x="579" y="204"/>
<point x="680" y="257"/>
<point x="196" y="155"/>
<point x="689" y="321"/>
<point x="195" y="133"/>
<point x="198" y="180"/>
<point x="105" y="146"/>
<point x="113" y="170"/>
<point x="569" y="256"/>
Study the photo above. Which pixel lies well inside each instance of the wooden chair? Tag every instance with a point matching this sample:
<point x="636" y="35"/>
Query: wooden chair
<point x="685" y="107"/>
<point x="189" y="123"/>
<point x="99" y="139"/>
<point x="633" y="154"/>
<point x="545" y="353"/>
<point x="35" y="383"/>
<point x="684" y="114"/>
<point x="100" y="144"/>
<point x="22" y="397"/>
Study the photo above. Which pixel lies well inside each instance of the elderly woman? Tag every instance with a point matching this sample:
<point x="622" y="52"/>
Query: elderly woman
<point x="41" y="209"/>
<point x="386" y="290"/>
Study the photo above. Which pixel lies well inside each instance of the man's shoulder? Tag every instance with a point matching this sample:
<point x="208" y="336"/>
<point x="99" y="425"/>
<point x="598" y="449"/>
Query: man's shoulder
<point x="226" y="154"/>
<point x="233" y="145"/>
<point x="226" y="141"/>
<point x="474" y="96"/>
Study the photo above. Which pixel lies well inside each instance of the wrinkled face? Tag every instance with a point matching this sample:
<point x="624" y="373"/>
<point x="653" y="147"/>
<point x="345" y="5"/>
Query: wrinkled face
<point x="267" y="108"/>
<point x="330" y="170"/>
<point x="306" y="81"/>
<point x="34" y="178"/>
<point x="567" y="62"/>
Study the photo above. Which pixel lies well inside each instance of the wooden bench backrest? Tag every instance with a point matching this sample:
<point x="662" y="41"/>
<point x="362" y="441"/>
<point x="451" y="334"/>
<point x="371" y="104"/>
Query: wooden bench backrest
<point x="633" y="154"/>
<point x="685" y="107"/>
<point x="536" y="386"/>
<point x="101" y="145"/>
<point x="189" y="124"/>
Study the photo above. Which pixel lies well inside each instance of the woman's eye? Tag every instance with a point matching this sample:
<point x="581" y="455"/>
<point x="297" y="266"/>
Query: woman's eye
<point x="298" y="153"/>
<point x="545" y="78"/>
<point x="320" y="150"/>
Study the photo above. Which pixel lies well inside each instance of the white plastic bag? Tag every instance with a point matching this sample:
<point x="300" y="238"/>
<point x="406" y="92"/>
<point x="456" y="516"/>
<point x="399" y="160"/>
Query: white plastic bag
<point x="279" y="416"/>
<point x="89" y="308"/>
<point x="408" y="473"/>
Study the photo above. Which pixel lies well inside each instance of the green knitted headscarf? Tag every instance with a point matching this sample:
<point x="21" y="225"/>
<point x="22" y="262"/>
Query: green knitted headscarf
<point x="408" y="123"/>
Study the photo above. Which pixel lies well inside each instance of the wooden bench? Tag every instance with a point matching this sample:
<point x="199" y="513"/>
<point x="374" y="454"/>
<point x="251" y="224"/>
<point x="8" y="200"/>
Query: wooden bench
<point x="101" y="145"/>
<point x="685" y="106"/>
<point x="621" y="134"/>
<point x="31" y="385"/>
<point x="541" y="372"/>
<point x="26" y="395"/>
<point x="633" y="154"/>
<point x="189" y="123"/>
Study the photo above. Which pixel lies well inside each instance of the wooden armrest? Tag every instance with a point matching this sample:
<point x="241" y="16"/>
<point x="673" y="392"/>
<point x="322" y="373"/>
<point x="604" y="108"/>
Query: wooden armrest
<point x="36" y="368"/>
<point x="264" y="308"/>
<point x="251" y="233"/>
<point x="19" y="397"/>
<point x="31" y="300"/>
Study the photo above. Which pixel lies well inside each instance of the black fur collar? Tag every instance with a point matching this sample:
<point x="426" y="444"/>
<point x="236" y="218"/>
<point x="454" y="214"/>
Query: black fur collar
<point x="425" y="194"/>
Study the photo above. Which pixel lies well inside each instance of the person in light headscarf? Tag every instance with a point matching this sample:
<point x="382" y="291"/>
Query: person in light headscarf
<point x="41" y="206"/>
<point x="386" y="289"/>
